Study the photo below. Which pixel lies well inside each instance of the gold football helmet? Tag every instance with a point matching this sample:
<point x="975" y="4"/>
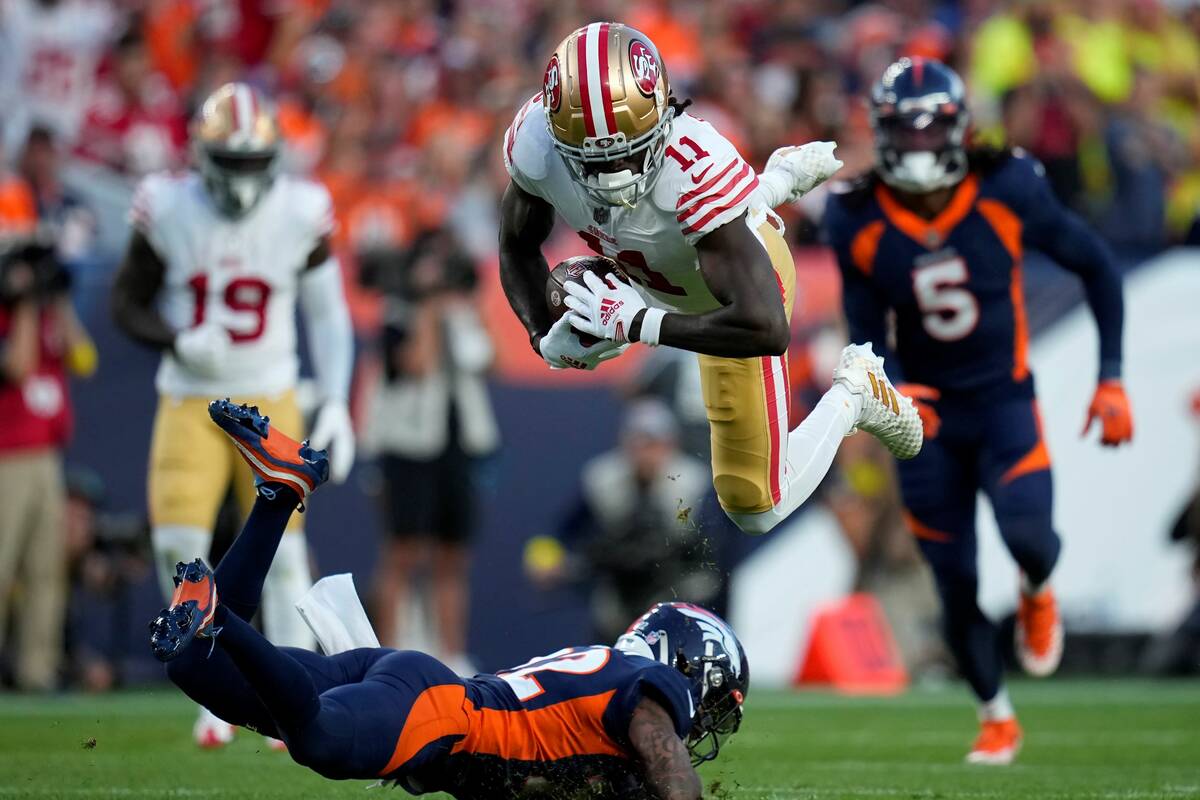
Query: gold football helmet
<point x="606" y="97"/>
<point x="236" y="143"/>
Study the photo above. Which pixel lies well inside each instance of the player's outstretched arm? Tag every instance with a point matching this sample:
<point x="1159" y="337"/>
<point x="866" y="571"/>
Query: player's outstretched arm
<point x="665" y="762"/>
<point x="751" y="320"/>
<point x="525" y="224"/>
<point x="135" y="288"/>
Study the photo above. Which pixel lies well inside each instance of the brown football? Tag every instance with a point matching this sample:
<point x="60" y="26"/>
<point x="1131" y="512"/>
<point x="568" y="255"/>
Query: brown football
<point x="572" y="270"/>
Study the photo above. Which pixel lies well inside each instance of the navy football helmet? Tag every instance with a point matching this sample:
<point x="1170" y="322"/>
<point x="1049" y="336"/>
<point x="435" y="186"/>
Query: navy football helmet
<point x="919" y="118"/>
<point x="703" y="647"/>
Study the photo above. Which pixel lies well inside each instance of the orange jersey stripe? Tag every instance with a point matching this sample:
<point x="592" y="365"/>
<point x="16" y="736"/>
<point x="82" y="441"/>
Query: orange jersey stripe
<point x="865" y="245"/>
<point x="438" y="711"/>
<point x="930" y="233"/>
<point x="570" y="728"/>
<point x="923" y="531"/>
<point x="1008" y="227"/>
<point x="1036" y="460"/>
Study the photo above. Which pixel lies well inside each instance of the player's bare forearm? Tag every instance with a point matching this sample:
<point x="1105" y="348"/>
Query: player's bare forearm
<point x="133" y="294"/>
<point x="525" y="224"/>
<point x="752" y="320"/>
<point x="666" y="765"/>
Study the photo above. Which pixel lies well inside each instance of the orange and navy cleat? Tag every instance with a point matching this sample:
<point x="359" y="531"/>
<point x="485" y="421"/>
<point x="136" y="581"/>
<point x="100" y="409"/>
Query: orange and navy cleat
<point x="1039" y="633"/>
<point x="998" y="743"/>
<point x="190" y="614"/>
<point x="274" y="457"/>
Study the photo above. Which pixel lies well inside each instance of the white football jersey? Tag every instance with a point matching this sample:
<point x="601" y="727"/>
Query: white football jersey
<point x="242" y="274"/>
<point x="703" y="184"/>
<point x="51" y="53"/>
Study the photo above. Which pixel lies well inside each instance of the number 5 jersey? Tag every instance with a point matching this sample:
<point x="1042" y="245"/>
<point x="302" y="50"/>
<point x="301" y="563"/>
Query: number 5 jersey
<point x="241" y="274"/>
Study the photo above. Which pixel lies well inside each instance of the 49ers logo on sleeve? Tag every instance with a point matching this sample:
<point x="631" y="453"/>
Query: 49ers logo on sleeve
<point x="552" y="85"/>
<point x="645" y="67"/>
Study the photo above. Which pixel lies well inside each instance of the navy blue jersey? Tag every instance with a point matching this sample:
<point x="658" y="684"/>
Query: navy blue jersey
<point x="561" y="720"/>
<point x="954" y="282"/>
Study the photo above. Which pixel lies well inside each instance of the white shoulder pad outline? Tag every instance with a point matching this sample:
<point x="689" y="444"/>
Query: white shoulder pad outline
<point x="527" y="146"/>
<point x="311" y="204"/>
<point x="705" y="182"/>
<point x="154" y="201"/>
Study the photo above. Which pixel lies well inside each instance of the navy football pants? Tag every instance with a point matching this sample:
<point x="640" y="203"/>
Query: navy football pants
<point x="994" y="445"/>
<point x="340" y="715"/>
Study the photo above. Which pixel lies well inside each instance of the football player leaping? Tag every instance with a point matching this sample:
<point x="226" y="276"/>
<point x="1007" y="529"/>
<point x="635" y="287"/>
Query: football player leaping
<point x="216" y="262"/>
<point x="936" y="234"/>
<point x="627" y="721"/>
<point x="664" y="194"/>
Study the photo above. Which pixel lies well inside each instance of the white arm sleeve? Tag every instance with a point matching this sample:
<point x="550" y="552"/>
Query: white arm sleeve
<point x="330" y="335"/>
<point x="774" y="187"/>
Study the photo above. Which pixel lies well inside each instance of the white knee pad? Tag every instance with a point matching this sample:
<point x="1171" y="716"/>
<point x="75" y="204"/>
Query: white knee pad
<point x="287" y="581"/>
<point x="175" y="543"/>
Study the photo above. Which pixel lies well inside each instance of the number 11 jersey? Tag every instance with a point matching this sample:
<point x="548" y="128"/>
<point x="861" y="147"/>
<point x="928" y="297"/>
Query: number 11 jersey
<point x="241" y="274"/>
<point x="703" y="183"/>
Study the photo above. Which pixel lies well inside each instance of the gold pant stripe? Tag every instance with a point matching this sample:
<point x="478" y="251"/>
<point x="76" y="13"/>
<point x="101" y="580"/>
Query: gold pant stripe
<point x="193" y="463"/>
<point x="746" y="400"/>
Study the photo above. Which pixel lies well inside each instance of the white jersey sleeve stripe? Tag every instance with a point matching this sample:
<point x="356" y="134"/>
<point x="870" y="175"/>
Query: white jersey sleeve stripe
<point x="699" y="224"/>
<point x="706" y="186"/>
<point x="730" y="187"/>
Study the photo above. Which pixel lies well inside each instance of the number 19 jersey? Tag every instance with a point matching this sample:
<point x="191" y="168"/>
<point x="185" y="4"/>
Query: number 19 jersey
<point x="703" y="183"/>
<point x="241" y="274"/>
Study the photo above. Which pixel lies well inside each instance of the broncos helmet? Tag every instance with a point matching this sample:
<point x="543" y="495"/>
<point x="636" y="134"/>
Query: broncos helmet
<point x="919" y="119"/>
<point x="703" y="647"/>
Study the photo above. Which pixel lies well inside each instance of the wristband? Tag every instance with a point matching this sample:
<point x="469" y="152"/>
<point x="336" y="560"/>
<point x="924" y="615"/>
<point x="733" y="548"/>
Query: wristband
<point x="651" y="326"/>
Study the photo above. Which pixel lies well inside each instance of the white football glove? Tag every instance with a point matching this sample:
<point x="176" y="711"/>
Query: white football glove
<point x="808" y="165"/>
<point x="603" y="308"/>
<point x="561" y="348"/>
<point x="203" y="349"/>
<point x="334" y="431"/>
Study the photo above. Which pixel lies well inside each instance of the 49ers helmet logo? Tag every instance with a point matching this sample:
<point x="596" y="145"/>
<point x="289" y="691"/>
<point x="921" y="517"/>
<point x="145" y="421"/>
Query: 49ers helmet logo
<point x="645" y="67"/>
<point x="552" y="85"/>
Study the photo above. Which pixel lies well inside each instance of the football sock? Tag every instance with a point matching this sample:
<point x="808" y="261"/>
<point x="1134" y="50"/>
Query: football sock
<point x="287" y="581"/>
<point x="282" y="683"/>
<point x="997" y="709"/>
<point x="242" y="571"/>
<point x="175" y="543"/>
<point x="810" y="450"/>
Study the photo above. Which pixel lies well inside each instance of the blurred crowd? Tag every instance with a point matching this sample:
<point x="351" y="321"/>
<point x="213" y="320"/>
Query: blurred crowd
<point x="397" y="105"/>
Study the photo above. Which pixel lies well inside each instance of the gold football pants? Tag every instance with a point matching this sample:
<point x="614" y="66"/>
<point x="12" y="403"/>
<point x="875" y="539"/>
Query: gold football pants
<point x="747" y="401"/>
<point x="192" y="461"/>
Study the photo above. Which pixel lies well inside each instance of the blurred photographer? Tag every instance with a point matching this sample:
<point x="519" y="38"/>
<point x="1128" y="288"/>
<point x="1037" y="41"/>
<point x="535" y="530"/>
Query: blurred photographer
<point x="432" y="422"/>
<point x="107" y="554"/>
<point x="634" y="534"/>
<point x="41" y="339"/>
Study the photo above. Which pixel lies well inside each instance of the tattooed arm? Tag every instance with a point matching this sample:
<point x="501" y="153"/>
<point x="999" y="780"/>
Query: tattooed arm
<point x="665" y="761"/>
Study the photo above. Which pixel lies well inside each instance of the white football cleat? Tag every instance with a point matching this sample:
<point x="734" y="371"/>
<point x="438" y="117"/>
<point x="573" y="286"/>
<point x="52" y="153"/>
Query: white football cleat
<point x="886" y="414"/>
<point x="276" y="745"/>
<point x="210" y="731"/>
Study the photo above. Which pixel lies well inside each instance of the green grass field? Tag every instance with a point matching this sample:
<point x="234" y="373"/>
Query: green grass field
<point x="1118" y="739"/>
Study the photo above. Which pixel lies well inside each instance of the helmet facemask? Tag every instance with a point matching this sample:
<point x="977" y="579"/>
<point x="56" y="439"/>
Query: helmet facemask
<point x="618" y="187"/>
<point x="719" y="714"/>
<point x="919" y="147"/>
<point x="236" y="180"/>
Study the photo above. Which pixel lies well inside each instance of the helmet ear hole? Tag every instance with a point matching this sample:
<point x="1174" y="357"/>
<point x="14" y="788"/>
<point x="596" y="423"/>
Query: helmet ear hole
<point x="681" y="662"/>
